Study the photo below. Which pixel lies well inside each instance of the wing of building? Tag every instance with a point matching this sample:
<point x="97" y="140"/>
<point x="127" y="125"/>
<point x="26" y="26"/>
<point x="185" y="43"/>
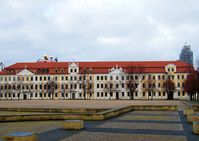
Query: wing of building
<point x="93" y="80"/>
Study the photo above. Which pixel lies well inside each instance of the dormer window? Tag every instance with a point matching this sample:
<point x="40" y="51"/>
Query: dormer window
<point x="170" y="68"/>
<point x="73" y="68"/>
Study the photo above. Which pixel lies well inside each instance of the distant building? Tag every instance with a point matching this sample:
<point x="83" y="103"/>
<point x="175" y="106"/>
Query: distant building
<point x="92" y="80"/>
<point x="186" y="54"/>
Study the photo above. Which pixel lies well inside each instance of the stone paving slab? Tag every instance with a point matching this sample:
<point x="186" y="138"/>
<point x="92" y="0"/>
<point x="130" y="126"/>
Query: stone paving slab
<point x="154" y="113"/>
<point x="139" y="126"/>
<point x="149" y="118"/>
<point x="29" y="126"/>
<point x="96" y="136"/>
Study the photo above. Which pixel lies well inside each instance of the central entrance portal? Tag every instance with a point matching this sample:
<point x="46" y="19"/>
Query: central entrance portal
<point x="24" y="96"/>
<point x="117" y="95"/>
<point x="73" y="95"/>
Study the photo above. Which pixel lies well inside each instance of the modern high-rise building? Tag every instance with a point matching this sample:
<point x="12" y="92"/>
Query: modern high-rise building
<point x="186" y="54"/>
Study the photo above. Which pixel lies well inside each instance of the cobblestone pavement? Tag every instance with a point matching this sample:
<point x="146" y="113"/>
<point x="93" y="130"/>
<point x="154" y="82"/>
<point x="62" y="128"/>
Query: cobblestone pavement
<point x="119" y="128"/>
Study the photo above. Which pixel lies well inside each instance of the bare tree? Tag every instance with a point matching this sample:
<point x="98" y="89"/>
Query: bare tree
<point x="135" y="76"/>
<point x="51" y="87"/>
<point x="192" y="87"/>
<point x="169" y="87"/>
<point x="150" y="87"/>
<point x="86" y="83"/>
<point x="109" y="87"/>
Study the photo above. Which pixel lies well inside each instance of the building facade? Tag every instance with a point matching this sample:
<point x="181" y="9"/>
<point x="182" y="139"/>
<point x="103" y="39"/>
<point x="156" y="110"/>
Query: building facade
<point x="93" y="80"/>
<point x="186" y="54"/>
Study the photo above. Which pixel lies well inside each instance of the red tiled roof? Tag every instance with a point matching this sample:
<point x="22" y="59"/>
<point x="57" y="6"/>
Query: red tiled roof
<point x="101" y="67"/>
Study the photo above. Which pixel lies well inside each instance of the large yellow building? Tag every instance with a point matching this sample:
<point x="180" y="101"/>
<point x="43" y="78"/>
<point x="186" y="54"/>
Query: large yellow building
<point x="93" y="80"/>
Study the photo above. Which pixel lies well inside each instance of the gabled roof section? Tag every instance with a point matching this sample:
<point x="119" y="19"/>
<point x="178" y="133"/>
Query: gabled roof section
<point x="25" y="72"/>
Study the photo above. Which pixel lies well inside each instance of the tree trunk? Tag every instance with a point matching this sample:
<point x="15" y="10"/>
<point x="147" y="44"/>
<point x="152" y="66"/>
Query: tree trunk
<point x="190" y="97"/>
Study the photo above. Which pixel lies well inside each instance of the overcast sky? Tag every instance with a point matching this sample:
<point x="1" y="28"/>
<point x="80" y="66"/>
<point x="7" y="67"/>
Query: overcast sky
<point x="95" y="30"/>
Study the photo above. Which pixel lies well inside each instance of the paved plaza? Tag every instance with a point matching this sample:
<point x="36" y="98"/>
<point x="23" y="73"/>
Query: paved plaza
<point x="90" y="104"/>
<point x="134" y="125"/>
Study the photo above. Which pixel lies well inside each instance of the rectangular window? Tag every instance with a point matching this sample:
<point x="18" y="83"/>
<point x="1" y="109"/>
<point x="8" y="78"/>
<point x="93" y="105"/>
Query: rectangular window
<point x="98" y="94"/>
<point x="97" y="85"/>
<point x="143" y="93"/>
<point x="62" y="78"/>
<point x="106" y="94"/>
<point x="31" y="79"/>
<point x="123" y="94"/>
<point x="97" y="77"/>
<point x="178" y="93"/>
<point x="122" y="77"/>
<point x="71" y="70"/>
<point x="102" y="77"/>
<point x="159" y="93"/>
<point x="149" y="93"/>
<point x="117" y="77"/>
<point x="102" y="86"/>
<point x="128" y="94"/>
<point x="178" y="84"/>
<point x="105" y="77"/>
<point x="158" y="77"/>
<point x="102" y="94"/>
<point x="40" y="78"/>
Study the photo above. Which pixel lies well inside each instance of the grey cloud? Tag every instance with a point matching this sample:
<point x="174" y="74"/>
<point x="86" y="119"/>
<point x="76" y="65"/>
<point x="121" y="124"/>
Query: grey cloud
<point x="97" y="30"/>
